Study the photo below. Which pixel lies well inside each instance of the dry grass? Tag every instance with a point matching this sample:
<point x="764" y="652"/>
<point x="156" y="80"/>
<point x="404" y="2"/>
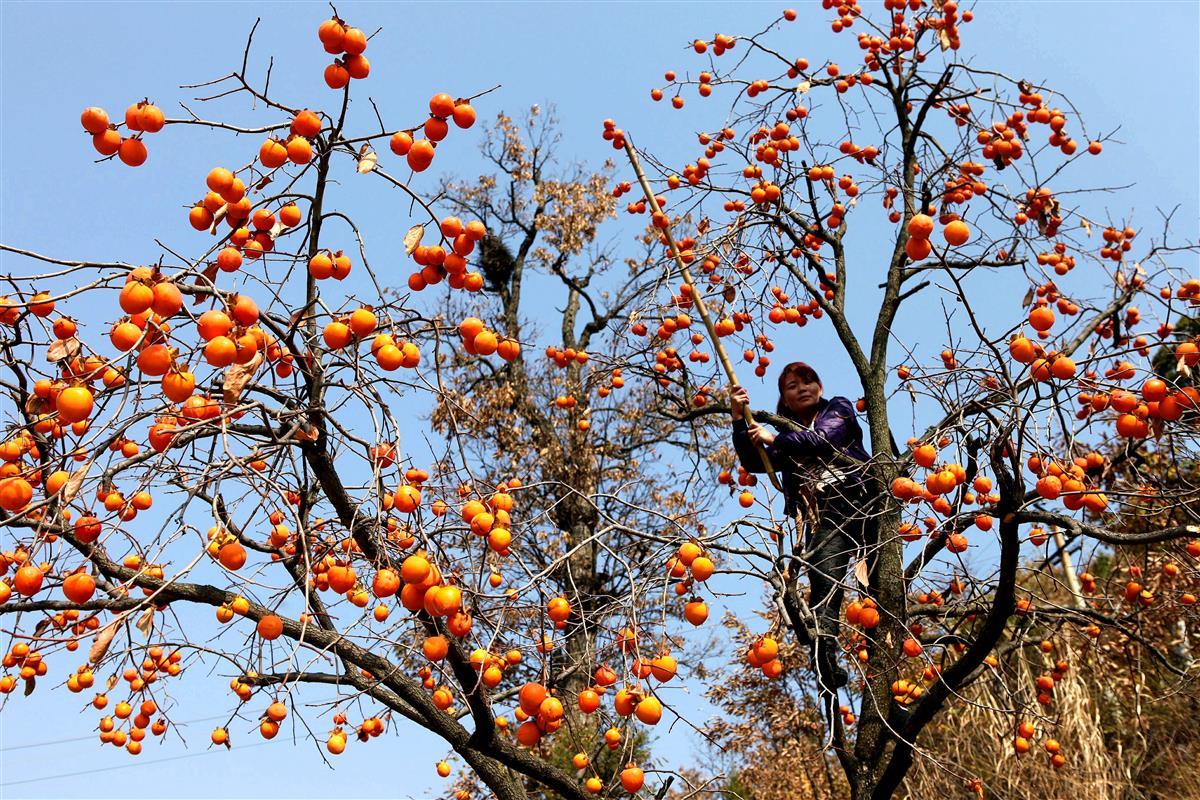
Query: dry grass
<point x="1124" y="739"/>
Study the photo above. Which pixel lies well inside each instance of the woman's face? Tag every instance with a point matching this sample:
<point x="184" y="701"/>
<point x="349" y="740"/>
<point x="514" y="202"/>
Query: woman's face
<point x="801" y="398"/>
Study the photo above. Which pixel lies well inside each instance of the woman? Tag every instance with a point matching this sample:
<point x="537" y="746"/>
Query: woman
<point x="822" y="476"/>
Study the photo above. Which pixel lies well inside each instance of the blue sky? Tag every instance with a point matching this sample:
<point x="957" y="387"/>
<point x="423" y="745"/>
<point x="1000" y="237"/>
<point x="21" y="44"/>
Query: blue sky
<point x="1127" y="65"/>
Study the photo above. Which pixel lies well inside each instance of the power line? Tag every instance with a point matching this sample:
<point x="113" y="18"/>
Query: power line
<point x="93" y="736"/>
<point x="123" y="766"/>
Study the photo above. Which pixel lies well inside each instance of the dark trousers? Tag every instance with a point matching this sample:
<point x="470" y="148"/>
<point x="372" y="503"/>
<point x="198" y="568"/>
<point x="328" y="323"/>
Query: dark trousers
<point x="844" y="525"/>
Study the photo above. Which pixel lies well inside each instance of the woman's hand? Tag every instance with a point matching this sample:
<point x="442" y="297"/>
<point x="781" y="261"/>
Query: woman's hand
<point x="739" y="399"/>
<point x="760" y="434"/>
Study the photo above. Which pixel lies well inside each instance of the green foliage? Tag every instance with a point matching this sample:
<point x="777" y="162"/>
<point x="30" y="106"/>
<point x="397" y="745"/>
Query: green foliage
<point x="1164" y="363"/>
<point x="736" y="788"/>
<point x="1101" y="565"/>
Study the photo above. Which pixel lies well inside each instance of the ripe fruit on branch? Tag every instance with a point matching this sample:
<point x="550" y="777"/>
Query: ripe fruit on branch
<point x="957" y="233"/>
<point x="74" y="404"/>
<point x="920" y="226"/>
<point x="270" y="628"/>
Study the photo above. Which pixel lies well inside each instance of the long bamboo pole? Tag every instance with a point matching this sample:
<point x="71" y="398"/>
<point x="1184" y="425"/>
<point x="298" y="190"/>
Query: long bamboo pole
<point x="698" y="302"/>
<point x="1069" y="569"/>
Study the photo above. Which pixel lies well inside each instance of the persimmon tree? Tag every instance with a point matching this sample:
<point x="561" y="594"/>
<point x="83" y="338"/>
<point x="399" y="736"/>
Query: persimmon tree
<point x="563" y="416"/>
<point x="1119" y="714"/>
<point x="261" y="386"/>
<point x="910" y="173"/>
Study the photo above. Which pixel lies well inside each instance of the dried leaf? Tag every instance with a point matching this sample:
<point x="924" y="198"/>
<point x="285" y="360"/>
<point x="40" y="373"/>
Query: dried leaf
<point x="103" y="640"/>
<point x="30" y="684"/>
<point x="73" y="484"/>
<point x="307" y="433"/>
<point x="1087" y="226"/>
<point x="111" y="682"/>
<point x="944" y="39"/>
<point x="237" y="376"/>
<point x="206" y="278"/>
<point x="1182" y="367"/>
<point x="61" y="349"/>
<point x="217" y="217"/>
<point x="1027" y="299"/>
<point x="412" y="239"/>
<point x="263" y="182"/>
<point x="860" y="573"/>
<point x="298" y="317"/>
<point x="145" y="622"/>
<point x="803" y="87"/>
<point x="366" y="159"/>
<point x="276" y="229"/>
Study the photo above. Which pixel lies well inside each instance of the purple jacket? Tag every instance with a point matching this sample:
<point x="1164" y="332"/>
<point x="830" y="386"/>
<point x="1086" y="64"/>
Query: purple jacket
<point x="805" y="457"/>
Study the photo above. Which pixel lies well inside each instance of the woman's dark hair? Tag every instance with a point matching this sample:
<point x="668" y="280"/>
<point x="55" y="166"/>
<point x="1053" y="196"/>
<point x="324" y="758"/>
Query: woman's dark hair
<point x="799" y="370"/>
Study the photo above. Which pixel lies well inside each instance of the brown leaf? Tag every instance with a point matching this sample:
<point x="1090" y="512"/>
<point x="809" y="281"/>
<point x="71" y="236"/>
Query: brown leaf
<point x="263" y="182"/>
<point x="206" y="278"/>
<point x="308" y="433"/>
<point x="1087" y="226"/>
<point x="366" y="159"/>
<point x="412" y="239"/>
<point x="237" y="376"/>
<point x="860" y="573"/>
<point x="217" y="217"/>
<point x="73" y="484"/>
<point x="111" y="682"/>
<point x="145" y="622"/>
<point x="944" y="39"/>
<point x="61" y="349"/>
<point x="103" y="640"/>
<point x="30" y="684"/>
<point x="1027" y="299"/>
